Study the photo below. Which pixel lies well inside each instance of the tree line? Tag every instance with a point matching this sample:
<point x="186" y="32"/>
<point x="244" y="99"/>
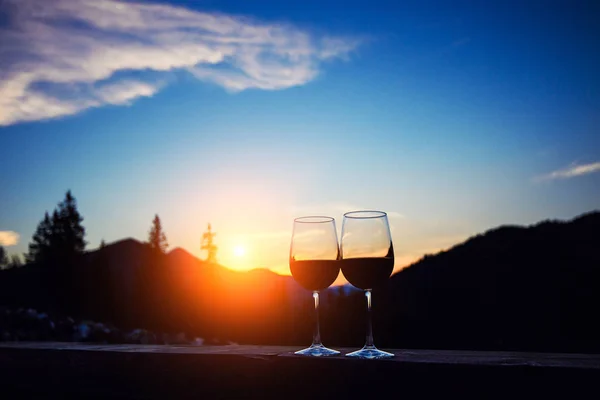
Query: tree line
<point x="60" y="238"/>
<point x="6" y="262"/>
<point x="69" y="283"/>
<point x="511" y="288"/>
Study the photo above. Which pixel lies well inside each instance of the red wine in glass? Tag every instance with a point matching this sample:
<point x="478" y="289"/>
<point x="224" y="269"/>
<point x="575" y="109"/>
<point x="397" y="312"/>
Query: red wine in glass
<point x="315" y="275"/>
<point x="315" y="265"/>
<point x="367" y="262"/>
<point x="367" y="272"/>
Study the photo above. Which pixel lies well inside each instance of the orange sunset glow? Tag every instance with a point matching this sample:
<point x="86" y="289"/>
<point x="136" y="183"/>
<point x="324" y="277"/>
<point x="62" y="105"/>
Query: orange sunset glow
<point x="234" y="172"/>
<point x="252" y="215"/>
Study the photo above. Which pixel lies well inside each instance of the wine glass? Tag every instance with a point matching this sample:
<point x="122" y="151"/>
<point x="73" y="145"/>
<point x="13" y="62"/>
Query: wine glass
<point x="367" y="262"/>
<point x="314" y="264"/>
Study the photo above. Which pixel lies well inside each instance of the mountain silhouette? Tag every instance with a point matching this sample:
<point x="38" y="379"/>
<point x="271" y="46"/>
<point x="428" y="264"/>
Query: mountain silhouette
<point x="533" y="288"/>
<point x="512" y="287"/>
<point x="179" y="292"/>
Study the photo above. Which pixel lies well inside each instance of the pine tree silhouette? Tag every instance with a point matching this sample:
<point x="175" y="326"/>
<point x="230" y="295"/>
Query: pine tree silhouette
<point x="39" y="248"/>
<point x="3" y="258"/>
<point x="156" y="237"/>
<point x="209" y="246"/>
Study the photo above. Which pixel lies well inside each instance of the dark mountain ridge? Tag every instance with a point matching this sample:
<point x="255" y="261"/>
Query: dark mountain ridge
<point x="534" y="288"/>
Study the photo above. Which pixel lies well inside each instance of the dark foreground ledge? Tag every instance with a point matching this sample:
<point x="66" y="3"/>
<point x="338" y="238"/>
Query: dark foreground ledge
<point x="59" y="370"/>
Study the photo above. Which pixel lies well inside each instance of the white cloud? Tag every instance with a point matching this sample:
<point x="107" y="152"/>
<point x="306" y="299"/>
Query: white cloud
<point x="571" y="171"/>
<point x="337" y="47"/>
<point x="125" y="91"/>
<point x="9" y="238"/>
<point x="60" y="57"/>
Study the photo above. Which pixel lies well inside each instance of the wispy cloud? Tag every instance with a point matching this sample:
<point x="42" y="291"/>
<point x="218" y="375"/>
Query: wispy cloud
<point x="571" y="171"/>
<point x="60" y="57"/>
<point x="9" y="238"/>
<point x="124" y="92"/>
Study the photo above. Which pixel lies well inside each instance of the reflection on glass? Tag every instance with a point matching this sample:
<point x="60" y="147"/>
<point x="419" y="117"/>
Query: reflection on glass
<point x="367" y="262"/>
<point x="315" y="265"/>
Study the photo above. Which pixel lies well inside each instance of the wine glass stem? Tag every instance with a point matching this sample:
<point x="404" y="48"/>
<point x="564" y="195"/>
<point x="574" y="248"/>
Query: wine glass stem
<point x="369" y="340"/>
<point x="316" y="333"/>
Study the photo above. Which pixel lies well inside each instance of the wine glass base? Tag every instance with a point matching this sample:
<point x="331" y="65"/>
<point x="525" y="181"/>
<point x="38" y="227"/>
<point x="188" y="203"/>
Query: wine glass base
<point x="370" y="352"/>
<point x="317" y="351"/>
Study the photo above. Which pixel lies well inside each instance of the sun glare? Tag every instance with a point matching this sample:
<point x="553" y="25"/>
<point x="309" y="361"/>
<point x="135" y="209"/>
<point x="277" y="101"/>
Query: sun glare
<point x="239" y="251"/>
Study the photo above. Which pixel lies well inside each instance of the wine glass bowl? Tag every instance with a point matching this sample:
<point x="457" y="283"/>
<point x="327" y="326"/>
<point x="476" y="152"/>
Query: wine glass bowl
<point x="367" y="259"/>
<point x="314" y="265"/>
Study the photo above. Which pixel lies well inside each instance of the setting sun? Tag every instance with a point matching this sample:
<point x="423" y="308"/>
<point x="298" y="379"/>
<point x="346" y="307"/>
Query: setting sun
<point x="239" y="251"/>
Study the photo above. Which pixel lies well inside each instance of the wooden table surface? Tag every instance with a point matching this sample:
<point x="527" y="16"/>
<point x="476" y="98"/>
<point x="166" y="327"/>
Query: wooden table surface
<point x="84" y="370"/>
<point x="483" y="358"/>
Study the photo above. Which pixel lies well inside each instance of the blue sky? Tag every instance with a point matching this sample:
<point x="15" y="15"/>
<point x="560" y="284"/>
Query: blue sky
<point x="454" y="117"/>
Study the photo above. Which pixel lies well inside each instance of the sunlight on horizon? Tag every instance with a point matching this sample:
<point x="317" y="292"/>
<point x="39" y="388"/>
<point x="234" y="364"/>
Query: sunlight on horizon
<point x="209" y="117"/>
<point x="270" y="250"/>
<point x="252" y="215"/>
<point x="239" y="251"/>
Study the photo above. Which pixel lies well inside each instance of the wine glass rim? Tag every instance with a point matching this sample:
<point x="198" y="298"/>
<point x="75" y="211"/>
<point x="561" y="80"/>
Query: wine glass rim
<point x="365" y="214"/>
<point x="313" y="219"/>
